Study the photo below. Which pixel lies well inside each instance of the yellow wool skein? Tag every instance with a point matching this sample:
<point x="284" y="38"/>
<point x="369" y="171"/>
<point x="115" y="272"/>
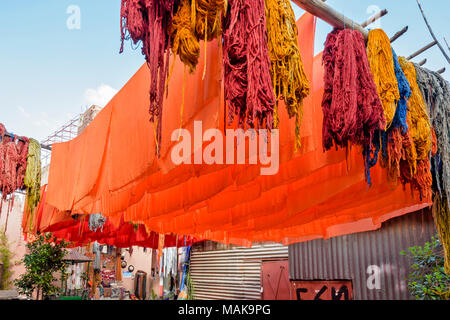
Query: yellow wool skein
<point x="206" y="18"/>
<point x="32" y="178"/>
<point x="185" y="44"/>
<point x="290" y="82"/>
<point x="381" y="62"/>
<point x="418" y="119"/>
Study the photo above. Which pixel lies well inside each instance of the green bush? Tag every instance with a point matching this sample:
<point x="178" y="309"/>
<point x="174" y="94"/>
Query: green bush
<point x="427" y="279"/>
<point x="43" y="259"/>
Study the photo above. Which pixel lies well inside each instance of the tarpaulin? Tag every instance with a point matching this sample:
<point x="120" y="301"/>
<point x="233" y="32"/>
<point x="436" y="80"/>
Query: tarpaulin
<point x="111" y="168"/>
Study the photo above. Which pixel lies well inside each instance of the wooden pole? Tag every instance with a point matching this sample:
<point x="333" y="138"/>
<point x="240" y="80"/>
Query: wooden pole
<point x="319" y="9"/>
<point x="428" y="46"/>
<point x="432" y="33"/>
<point x="374" y="18"/>
<point x="421" y="63"/>
<point x="441" y="71"/>
<point x="399" y="34"/>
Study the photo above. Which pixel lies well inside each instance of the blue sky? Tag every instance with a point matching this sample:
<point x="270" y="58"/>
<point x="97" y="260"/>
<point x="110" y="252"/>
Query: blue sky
<point x="49" y="73"/>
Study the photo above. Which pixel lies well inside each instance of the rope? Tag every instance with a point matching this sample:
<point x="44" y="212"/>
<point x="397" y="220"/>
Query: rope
<point x="289" y="81"/>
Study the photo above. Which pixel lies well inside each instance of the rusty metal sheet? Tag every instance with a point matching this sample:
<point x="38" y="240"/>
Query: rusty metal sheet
<point x="370" y="259"/>
<point x="275" y="280"/>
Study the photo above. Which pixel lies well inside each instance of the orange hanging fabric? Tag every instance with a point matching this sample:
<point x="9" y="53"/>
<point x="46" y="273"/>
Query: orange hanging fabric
<point x="110" y="168"/>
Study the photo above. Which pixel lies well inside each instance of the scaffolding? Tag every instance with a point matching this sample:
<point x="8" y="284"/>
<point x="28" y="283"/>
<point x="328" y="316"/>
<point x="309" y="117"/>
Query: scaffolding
<point x="67" y="132"/>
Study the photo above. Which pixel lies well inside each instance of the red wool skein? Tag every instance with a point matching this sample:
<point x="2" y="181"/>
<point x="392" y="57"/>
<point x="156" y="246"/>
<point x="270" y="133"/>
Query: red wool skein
<point x="148" y="21"/>
<point x="22" y="153"/>
<point x="247" y="79"/>
<point x="352" y="110"/>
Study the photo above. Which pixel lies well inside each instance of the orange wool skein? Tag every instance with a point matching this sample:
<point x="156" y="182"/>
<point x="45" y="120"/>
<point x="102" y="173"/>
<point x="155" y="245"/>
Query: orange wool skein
<point x="381" y="62"/>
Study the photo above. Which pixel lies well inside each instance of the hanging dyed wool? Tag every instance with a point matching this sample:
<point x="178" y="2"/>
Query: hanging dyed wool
<point x="405" y="93"/>
<point x="148" y="21"/>
<point x="248" y="86"/>
<point x="441" y="215"/>
<point x="2" y="158"/>
<point x="418" y="119"/>
<point x="22" y="152"/>
<point x="96" y="221"/>
<point x="420" y="128"/>
<point x="184" y="42"/>
<point x="352" y="110"/>
<point x="32" y="178"/>
<point x="351" y="106"/>
<point x="8" y="178"/>
<point x="288" y="75"/>
<point x="206" y="18"/>
<point x="436" y="92"/>
<point x="381" y="61"/>
<point x="392" y="139"/>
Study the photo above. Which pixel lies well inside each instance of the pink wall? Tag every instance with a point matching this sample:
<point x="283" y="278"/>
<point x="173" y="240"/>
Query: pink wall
<point x="14" y="232"/>
<point x="141" y="261"/>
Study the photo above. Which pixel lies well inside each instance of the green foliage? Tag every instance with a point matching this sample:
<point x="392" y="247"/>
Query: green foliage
<point x="190" y="286"/>
<point x="5" y="259"/>
<point x="427" y="278"/>
<point x="154" y="295"/>
<point x="43" y="259"/>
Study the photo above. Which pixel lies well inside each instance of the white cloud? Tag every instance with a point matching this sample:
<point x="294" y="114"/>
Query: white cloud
<point x="100" y="96"/>
<point x="23" y="112"/>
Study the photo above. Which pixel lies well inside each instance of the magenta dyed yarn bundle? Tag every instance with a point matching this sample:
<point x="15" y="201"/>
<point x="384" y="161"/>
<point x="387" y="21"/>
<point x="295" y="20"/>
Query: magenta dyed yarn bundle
<point x="247" y="79"/>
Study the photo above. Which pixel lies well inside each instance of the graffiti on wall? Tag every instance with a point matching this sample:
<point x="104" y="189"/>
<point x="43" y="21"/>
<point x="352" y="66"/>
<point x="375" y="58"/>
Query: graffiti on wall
<point x="321" y="290"/>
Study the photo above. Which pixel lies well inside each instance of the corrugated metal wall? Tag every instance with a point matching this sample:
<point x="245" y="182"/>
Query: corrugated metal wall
<point x="349" y="257"/>
<point x="233" y="273"/>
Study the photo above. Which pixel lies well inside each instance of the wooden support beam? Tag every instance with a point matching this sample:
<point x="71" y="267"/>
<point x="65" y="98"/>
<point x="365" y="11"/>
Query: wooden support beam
<point x="421" y="63"/>
<point x="319" y="9"/>
<point x="432" y="33"/>
<point x="428" y="46"/>
<point x="441" y="71"/>
<point x="399" y="34"/>
<point x="374" y="18"/>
